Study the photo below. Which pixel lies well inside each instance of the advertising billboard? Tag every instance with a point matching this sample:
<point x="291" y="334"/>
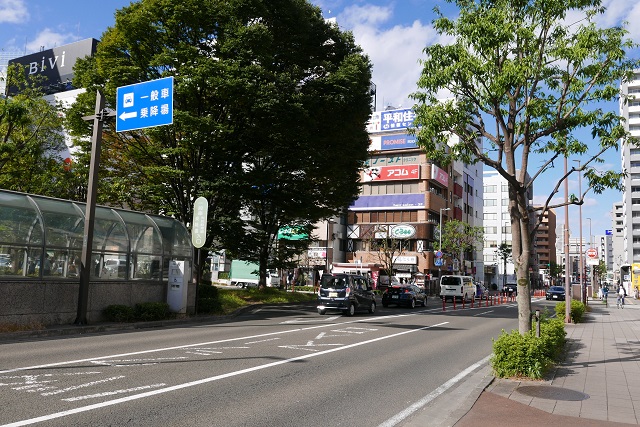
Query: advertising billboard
<point x="391" y="173"/>
<point x="398" y="142"/>
<point x="55" y="66"/>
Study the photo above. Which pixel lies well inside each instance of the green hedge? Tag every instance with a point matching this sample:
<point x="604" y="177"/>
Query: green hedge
<point x="141" y="312"/>
<point x="516" y="355"/>
<point x="576" y="313"/>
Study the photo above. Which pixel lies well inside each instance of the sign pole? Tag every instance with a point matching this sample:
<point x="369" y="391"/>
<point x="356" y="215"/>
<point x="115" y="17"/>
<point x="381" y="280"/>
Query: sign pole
<point x="90" y="209"/>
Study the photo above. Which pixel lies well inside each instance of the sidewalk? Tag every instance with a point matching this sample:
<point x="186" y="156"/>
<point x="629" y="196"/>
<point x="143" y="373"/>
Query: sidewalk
<point x="598" y="384"/>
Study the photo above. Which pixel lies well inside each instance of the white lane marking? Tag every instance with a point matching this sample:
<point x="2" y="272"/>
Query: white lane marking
<point x="190" y="346"/>
<point x="483" y="313"/>
<point x="206" y="380"/>
<point x="111" y="393"/>
<point x="393" y="421"/>
<point x="312" y="320"/>
<point x="259" y="341"/>
<point x="92" y="383"/>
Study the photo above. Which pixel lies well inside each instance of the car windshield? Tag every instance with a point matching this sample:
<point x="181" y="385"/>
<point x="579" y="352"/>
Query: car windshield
<point x="449" y="281"/>
<point x="332" y="282"/>
<point x="557" y="289"/>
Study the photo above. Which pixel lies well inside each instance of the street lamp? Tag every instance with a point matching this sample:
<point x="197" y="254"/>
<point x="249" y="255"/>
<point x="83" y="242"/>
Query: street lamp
<point x="440" y="237"/>
<point x="581" y="252"/>
<point x="593" y="267"/>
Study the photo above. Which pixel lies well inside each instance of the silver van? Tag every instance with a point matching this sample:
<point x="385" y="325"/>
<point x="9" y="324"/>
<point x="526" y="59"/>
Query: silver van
<point x="458" y="287"/>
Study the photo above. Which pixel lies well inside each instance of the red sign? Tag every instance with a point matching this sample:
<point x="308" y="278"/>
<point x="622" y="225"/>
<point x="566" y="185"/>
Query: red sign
<point x="391" y="173"/>
<point x="592" y="253"/>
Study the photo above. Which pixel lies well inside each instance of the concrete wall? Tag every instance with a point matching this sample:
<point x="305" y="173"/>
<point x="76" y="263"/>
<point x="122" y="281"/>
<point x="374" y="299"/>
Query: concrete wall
<point x="56" y="303"/>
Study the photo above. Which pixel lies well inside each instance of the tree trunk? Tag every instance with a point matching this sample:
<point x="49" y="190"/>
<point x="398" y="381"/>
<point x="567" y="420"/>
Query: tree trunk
<point x="521" y="250"/>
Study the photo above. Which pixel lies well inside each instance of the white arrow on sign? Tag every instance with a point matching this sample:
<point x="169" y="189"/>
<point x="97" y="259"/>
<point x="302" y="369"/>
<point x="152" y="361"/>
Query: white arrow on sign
<point x="130" y="115"/>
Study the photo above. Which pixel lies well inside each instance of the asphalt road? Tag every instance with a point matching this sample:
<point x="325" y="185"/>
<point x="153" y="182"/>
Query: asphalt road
<point x="277" y="366"/>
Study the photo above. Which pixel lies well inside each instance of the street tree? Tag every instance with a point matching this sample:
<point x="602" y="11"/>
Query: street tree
<point x="32" y="147"/>
<point x="383" y="247"/>
<point x="459" y="238"/>
<point x="524" y="78"/>
<point x="270" y="106"/>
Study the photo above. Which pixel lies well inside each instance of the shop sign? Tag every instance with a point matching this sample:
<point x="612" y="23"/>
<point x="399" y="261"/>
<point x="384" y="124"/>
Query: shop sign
<point x="402" y="231"/>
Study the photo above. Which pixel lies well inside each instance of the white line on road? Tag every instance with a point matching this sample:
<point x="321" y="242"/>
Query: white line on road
<point x="393" y="421"/>
<point x="205" y="380"/>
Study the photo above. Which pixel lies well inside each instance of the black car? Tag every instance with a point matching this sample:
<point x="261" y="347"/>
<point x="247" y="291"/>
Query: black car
<point x="511" y="289"/>
<point x="555" y="293"/>
<point x="405" y="294"/>
<point x="346" y="293"/>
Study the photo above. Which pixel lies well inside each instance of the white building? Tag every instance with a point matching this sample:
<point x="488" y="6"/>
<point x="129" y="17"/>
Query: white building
<point x="630" y="159"/>
<point x="497" y="228"/>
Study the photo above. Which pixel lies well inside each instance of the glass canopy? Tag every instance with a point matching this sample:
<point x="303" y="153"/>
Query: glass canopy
<point x="41" y="238"/>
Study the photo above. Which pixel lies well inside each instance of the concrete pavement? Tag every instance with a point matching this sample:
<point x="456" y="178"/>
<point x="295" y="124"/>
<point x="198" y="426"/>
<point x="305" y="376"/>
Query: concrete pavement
<point x="598" y="383"/>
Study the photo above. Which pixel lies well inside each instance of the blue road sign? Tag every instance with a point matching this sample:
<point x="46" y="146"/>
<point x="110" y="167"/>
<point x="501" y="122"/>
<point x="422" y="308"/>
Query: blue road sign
<point x="144" y="105"/>
<point x="438" y="254"/>
<point x="438" y="262"/>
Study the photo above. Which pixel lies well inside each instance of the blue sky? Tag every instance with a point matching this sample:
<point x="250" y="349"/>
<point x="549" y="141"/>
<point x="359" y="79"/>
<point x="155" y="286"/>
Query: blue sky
<point x="392" y="33"/>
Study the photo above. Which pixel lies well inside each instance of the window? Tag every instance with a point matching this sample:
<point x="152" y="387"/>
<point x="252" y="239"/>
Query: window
<point x="505" y="202"/>
<point x="490" y="230"/>
<point x="490" y="202"/>
<point x="490" y="216"/>
<point x="490" y="188"/>
<point x="490" y="244"/>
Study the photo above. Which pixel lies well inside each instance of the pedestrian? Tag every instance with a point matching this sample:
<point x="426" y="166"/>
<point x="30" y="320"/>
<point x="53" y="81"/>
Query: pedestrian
<point x="635" y="292"/>
<point x="600" y="294"/>
<point x="621" y="294"/>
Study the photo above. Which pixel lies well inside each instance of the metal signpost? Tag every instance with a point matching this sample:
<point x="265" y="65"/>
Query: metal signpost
<point x="138" y="106"/>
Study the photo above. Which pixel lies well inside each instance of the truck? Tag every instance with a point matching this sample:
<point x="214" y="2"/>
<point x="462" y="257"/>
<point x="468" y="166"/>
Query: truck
<point x="245" y="274"/>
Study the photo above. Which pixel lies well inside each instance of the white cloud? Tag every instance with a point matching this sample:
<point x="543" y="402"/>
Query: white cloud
<point x="48" y="39"/>
<point x="394" y="52"/>
<point x="13" y="11"/>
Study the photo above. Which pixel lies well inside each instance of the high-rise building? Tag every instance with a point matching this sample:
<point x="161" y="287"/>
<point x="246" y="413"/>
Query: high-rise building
<point x="630" y="158"/>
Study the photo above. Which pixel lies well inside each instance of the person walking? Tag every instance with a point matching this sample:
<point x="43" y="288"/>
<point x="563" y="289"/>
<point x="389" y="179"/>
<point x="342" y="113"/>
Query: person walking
<point x="621" y="294"/>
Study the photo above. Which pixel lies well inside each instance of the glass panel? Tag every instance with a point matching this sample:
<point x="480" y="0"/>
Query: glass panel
<point x="111" y="266"/>
<point x="109" y="233"/>
<point x="19" y="220"/>
<point x="143" y="235"/>
<point x="146" y="267"/>
<point x="12" y="261"/>
<point x="63" y="223"/>
<point x="175" y="238"/>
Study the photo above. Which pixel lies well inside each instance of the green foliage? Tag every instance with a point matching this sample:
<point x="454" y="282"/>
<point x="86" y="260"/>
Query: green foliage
<point x="577" y="310"/>
<point x="148" y="311"/>
<point x="517" y="355"/>
<point x="32" y="143"/>
<point x="119" y="313"/>
<point x="208" y="299"/>
<point x="523" y="81"/>
<point x="259" y="86"/>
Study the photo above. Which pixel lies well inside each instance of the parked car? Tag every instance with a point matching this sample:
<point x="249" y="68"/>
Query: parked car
<point x="511" y="288"/>
<point x="457" y="287"/>
<point x="405" y="295"/>
<point x="346" y="293"/>
<point x="555" y="293"/>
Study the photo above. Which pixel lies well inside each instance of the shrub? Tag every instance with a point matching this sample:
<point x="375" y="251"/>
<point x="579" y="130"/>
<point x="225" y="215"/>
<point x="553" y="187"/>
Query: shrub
<point x="119" y="313"/>
<point x="576" y="313"/>
<point x="147" y="311"/>
<point x="516" y="355"/>
<point x="207" y="291"/>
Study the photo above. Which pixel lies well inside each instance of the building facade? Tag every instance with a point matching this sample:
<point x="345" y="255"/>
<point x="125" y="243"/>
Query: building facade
<point x="404" y="196"/>
<point x="630" y="160"/>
